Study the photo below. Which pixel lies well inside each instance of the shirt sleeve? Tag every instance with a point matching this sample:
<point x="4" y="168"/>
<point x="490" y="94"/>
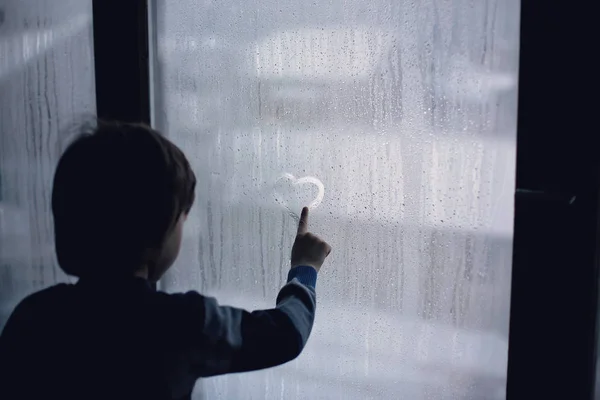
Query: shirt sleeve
<point x="228" y="339"/>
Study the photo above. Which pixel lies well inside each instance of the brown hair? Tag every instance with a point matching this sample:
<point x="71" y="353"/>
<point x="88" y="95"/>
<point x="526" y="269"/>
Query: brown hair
<point x="118" y="191"/>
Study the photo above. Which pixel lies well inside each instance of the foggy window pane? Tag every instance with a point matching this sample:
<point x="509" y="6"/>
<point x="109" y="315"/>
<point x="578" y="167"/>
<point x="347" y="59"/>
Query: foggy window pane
<point x="46" y="87"/>
<point x="396" y="120"/>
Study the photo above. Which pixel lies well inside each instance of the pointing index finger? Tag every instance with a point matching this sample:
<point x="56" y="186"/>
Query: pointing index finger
<point x="303" y="223"/>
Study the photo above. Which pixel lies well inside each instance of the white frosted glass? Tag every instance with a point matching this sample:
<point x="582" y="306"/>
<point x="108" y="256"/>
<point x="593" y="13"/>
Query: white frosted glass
<point x="397" y="120"/>
<point x="46" y="86"/>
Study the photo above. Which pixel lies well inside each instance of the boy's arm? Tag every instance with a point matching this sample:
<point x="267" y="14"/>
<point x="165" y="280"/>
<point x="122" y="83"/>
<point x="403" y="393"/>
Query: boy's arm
<point x="235" y="340"/>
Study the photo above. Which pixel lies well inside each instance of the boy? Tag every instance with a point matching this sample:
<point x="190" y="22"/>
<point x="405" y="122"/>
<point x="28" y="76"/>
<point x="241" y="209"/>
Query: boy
<point x="120" y="197"/>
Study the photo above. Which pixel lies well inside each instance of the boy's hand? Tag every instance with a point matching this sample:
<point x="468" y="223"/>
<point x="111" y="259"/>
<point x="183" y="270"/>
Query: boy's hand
<point x="308" y="249"/>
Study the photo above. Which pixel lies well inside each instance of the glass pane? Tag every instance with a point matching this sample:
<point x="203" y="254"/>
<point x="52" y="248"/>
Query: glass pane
<point x="396" y="119"/>
<point x="46" y="83"/>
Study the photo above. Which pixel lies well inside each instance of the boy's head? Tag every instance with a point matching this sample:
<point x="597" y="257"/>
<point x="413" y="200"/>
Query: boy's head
<point x="120" y="196"/>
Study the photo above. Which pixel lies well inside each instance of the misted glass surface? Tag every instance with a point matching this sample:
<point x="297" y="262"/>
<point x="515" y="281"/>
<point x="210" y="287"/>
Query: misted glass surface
<point x="396" y="120"/>
<point x="46" y="87"/>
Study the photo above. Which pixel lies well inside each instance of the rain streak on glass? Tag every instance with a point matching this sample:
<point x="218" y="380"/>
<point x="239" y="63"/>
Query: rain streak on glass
<point x="396" y="118"/>
<point x="46" y="91"/>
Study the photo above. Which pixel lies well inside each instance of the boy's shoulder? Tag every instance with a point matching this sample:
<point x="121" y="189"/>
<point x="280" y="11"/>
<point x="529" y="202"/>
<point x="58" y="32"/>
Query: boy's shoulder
<point x="43" y="297"/>
<point x="47" y="294"/>
<point x="35" y="311"/>
<point x="59" y="303"/>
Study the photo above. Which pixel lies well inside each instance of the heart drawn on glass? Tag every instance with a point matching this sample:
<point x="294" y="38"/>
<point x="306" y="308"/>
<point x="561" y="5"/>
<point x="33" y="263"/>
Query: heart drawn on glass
<point x="294" y="193"/>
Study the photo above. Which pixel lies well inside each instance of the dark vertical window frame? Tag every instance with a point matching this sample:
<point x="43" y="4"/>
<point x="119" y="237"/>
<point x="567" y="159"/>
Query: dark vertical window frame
<point x="554" y="301"/>
<point x="121" y="50"/>
<point x="157" y="109"/>
<point x="121" y="60"/>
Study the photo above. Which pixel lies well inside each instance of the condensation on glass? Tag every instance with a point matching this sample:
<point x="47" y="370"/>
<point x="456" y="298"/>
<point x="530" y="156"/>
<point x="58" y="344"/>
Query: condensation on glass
<point x="46" y="86"/>
<point x="399" y="118"/>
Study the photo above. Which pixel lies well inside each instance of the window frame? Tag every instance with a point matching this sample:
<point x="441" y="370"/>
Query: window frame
<point x="554" y="293"/>
<point x="556" y="200"/>
<point x="121" y="57"/>
<point x="121" y="61"/>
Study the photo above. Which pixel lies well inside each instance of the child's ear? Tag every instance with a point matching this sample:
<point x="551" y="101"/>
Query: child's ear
<point x="152" y="261"/>
<point x="151" y="256"/>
